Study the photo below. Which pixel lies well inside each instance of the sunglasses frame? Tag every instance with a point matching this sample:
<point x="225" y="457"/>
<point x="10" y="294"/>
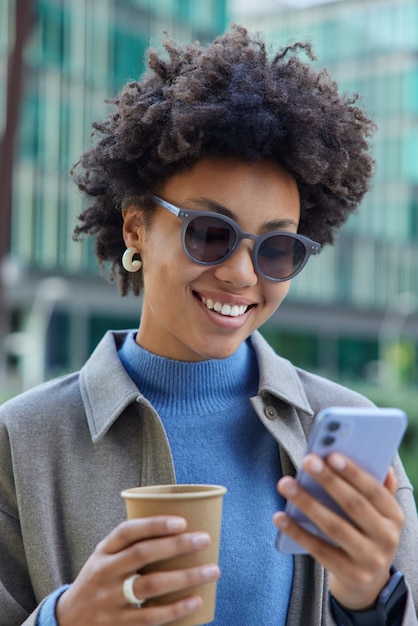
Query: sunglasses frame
<point x="311" y="247"/>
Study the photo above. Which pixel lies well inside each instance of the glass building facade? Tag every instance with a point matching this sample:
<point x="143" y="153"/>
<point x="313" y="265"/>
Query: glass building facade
<point x="80" y="53"/>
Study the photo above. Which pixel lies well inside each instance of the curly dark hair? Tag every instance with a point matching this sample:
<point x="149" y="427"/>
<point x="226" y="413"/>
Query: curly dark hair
<point x="227" y="98"/>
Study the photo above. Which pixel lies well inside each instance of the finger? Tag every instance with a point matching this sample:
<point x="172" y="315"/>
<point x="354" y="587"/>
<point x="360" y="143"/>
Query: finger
<point x="376" y="493"/>
<point x="378" y="508"/>
<point x="134" y="530"/>
<point x="359" y="494"/>
<point x="341" y="533"/>
<point x="391" y="482"/>
<point x="164" y="614"/>
<point x="137" y="555"/>
<point x="152" y="585"/>
<point x="147" y="551"/>
<point x="313" y="544"/>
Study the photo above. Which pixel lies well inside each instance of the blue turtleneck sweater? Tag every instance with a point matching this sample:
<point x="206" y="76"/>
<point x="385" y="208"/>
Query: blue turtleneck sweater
<point x="216" y="437"/>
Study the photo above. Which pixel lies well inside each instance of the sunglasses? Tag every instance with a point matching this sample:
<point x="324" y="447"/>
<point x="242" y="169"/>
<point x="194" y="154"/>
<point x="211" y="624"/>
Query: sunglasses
<point x="210" y="238"/>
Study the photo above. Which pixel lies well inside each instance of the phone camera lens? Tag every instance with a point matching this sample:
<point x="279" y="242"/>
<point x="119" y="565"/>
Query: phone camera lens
<point x="333" y="426"/>
<point x="328" y="440"/>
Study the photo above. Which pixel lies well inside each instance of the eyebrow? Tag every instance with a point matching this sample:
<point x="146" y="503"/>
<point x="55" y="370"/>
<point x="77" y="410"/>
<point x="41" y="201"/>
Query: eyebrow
<point x="217" y="207"/>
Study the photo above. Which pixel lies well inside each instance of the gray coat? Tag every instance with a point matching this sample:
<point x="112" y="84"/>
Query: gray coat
<point x="69" y="447"/>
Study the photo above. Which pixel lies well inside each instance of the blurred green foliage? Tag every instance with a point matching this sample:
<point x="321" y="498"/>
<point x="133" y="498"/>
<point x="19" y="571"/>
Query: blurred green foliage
<point x="6" y="395"/>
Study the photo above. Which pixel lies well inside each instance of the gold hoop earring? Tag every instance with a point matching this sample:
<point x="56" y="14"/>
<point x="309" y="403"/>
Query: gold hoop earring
<point x="127" y="260"/>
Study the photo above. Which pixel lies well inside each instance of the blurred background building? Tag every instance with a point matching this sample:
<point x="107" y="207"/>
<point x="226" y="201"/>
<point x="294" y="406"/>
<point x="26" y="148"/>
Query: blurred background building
<point x="352" y="314"/>
<point x="362" y="295"/>
<point x="79" y="53"/>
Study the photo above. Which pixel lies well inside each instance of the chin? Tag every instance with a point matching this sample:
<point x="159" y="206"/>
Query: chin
<point x="222" y="351"/>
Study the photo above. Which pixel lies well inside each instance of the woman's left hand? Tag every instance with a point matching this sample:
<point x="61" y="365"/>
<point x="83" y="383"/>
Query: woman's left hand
<point x="359" y="567"/>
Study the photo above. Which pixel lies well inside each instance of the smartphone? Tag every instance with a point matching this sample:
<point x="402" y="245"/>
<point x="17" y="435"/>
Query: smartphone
<point x="369" y="436"/>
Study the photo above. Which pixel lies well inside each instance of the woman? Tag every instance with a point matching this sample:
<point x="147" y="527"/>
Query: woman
<point x="209" y="187"/>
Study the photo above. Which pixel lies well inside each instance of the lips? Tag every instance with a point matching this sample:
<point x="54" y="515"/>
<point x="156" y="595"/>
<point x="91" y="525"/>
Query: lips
<point x="229" y="310"/>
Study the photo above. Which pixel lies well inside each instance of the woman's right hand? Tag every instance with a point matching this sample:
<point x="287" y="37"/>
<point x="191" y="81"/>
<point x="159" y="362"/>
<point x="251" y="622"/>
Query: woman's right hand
<point x="96" y="596"/>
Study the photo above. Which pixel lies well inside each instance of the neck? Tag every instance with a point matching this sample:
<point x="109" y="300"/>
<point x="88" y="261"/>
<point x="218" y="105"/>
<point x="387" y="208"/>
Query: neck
<point x="184" y="387"/>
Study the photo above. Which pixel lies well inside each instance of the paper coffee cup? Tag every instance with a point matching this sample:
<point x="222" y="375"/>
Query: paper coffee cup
<point x="201" y="506"/>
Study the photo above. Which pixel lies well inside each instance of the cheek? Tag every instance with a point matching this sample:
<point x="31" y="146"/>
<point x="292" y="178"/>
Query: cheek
<point x="164" y="263"/>
<point x="160" y="251"/>
<point x="275" y="293"/>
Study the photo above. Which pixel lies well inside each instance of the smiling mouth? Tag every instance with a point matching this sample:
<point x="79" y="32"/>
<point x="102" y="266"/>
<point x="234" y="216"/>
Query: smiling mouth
<point x="229" y="310"/>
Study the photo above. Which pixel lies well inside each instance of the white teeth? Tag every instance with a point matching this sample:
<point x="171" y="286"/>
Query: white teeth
<point x="231" y="310"/>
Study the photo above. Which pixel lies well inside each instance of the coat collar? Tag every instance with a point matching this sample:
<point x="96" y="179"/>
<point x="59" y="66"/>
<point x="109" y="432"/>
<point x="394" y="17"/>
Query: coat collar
<point x="105" y="386"/>
<point x="107" y="389"/>
<point x="278" y="376"/>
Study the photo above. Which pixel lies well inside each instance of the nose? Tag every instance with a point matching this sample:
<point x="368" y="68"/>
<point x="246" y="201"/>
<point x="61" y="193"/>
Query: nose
<point x="238" y="269"/>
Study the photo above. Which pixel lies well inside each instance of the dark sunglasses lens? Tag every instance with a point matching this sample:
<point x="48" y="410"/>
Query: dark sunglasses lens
<point x="280" y="256"/>
<point x="209" y="239"/>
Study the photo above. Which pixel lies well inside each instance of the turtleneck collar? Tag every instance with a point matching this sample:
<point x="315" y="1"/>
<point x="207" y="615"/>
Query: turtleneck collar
<point x="178" y="387"/>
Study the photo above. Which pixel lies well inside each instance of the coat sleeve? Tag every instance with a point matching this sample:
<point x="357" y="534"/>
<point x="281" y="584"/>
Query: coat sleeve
<point x="17" y="599"/>
<point x="18" y="604"/>
<point x="406" y="558"/>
